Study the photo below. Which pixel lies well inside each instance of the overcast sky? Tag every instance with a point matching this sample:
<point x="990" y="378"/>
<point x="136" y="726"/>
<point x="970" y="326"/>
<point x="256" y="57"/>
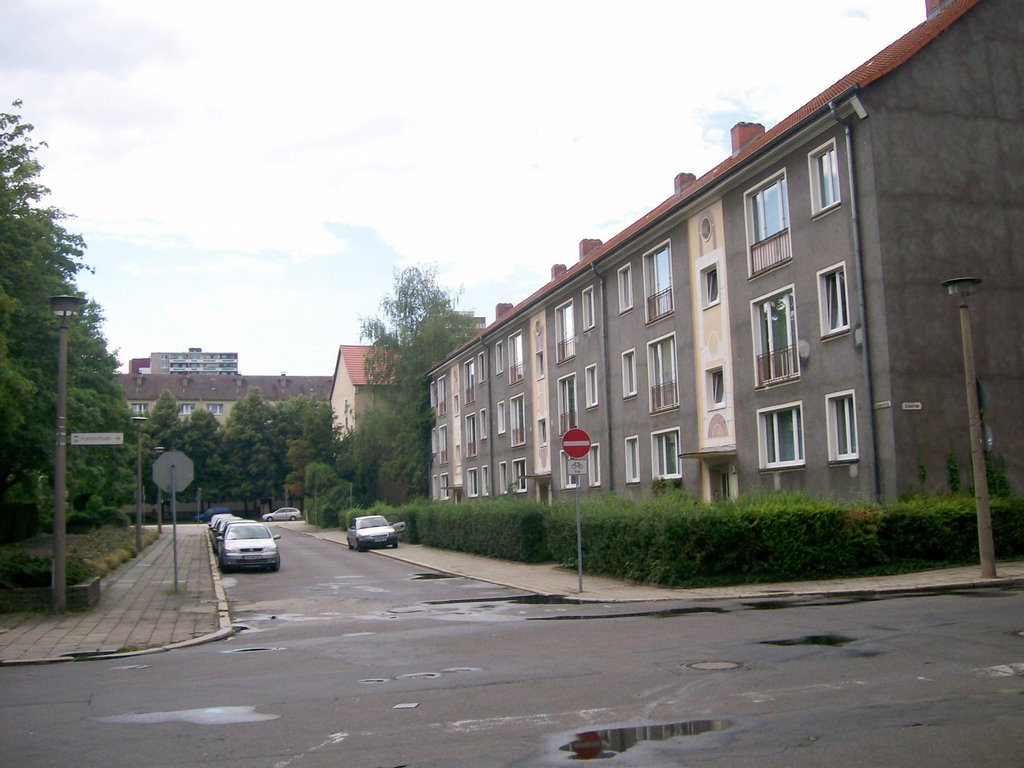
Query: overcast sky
<point x="248" y="175"/>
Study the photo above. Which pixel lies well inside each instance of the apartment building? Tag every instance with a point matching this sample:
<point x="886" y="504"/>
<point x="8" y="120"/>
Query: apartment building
<point x="780" y="324"/>
<point x="194" y="361"/>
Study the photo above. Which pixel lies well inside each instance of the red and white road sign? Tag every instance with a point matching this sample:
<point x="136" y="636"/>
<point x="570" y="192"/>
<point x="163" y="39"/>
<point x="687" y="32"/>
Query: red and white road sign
<point x="576" y="443"/>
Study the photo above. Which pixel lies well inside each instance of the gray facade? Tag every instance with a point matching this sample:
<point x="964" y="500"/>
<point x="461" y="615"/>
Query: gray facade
<point x="779" y="324"/>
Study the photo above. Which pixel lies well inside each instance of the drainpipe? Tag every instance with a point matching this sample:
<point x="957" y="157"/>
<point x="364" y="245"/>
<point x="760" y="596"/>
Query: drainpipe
<point x="609" y="449"/>
<point x="490" y="409"/>
<point x="861" y="295"/>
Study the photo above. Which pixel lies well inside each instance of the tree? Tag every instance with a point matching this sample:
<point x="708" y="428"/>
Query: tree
<point x="201" y="442"/>
<point x="418" y="326"/>
<point x="251" y="450"/>
<point x="39" y="258"/>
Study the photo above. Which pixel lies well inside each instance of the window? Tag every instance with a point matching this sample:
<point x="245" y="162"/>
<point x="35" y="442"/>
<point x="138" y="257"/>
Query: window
<point x="481" y="367"/>
<point x="442" y="395"/>
<point x="589" y="318"/>
<point x="835" y="316"/>
<point x="186" y="408"/>
<point x="518" y="408"/>
<point x="824" y="173"/>
<point x="661" y="365"/>
<point x="483" y="424"/>
<point x="140" y="407"/>
<point x="499" y="357"/>
<point x="519" y="475"/>
<point x="435" y="488"/>
<point x="568" y="481"/>
<point x="665" y="453"/>
<point x="501" y="417"/>
<point x="217" y="409"/>
<point x="539" y="364"/>
<point x="502" y="478"/>
<point x="471" y="435"/>
<point x="433" y="441"/>
<point x="709" y="286"/>
<point x="566" y="404"/>
<point x="768" y="225"/>
<point x="472" y="484"/>
<point x="515" y="358"/>
<point x="842" y="427"/>
<point x="625" y="288"/>
<point x="485" y="481"/>
<point x="455" y="403"/>
<point x="445" y="488"/>
<point x="632" y="457"/>
<point x="658" y="282"/>
<point x="565" y="321"/>
<point x="716" y="388"/>
<point x="781" y="436"/>
<point x="542" y="431"/>
<point x="594" y="466"/>
<point x="629" y="373"/>
<point x="775" y="341"/>
<point x="590" y="385"/>
<point x="469" y="381"/>
<point x="442" y="444"/>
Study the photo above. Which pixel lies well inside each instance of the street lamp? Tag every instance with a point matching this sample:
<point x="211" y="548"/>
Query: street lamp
<point x="138" y="420"/>
<point x="63" y="306"/>
<point x="961" y="286"/>
<point x="159" y="497"/>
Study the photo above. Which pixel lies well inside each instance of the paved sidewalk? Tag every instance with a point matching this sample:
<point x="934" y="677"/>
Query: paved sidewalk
<point x="139" y="611"/>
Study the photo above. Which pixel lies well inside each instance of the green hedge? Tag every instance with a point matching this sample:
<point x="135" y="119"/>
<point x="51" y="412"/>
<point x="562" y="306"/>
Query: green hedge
<point x="18" y="521"/>
<point x="672" y="540"/>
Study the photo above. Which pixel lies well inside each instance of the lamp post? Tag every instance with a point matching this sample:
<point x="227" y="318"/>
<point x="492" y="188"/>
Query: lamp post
<point x="138" y="421"/>
<point x="159" y="497"/>
<point x="961" y="286"/>
<point x="62" y="306"/>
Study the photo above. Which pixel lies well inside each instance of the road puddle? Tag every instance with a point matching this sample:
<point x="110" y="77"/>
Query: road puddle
<point x="832" y="640"/>
<point x="610" y="742"/>
<point x="206" y="716"/>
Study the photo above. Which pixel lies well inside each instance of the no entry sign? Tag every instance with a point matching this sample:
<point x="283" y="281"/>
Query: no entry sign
<point x="576" y="443"/>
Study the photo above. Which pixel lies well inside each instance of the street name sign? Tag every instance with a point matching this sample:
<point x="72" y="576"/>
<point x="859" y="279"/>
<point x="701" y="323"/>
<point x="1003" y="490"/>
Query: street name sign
<point x="97" y="438"/>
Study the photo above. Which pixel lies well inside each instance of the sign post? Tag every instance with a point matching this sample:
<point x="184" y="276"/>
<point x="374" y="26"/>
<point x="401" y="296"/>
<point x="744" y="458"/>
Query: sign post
<point x="576" y="445"/>
<point x="173" y="472"/>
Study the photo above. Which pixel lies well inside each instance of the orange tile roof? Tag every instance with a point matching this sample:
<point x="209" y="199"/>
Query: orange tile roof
<point x="354" y="357"/>
<point x="885" y="61"/>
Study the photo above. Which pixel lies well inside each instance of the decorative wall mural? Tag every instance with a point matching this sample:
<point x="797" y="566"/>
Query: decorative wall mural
<point x="717" y="427"/>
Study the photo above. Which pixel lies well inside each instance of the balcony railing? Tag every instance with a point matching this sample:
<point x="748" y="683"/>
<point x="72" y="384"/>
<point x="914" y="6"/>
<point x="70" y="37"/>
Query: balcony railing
<point x="777" y="366"/>
<point x="471" y="449"/>
<point x="515" y="373"/>
<point x="770" y="252"/>
<point x="566" y="349"/>
<point x="566" y="421"/>
<point x="664" y="396"/>
<point x="470" y="395"/>
<point x="442" y="457"/>
<point x="659" y="305"/>
<point x="518" y="436"/>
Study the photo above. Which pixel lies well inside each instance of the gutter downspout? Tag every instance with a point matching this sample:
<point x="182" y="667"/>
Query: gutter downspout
<point x="861" y="292"/>
<point x="490" y="410"/>
<point x="609" y="449"/>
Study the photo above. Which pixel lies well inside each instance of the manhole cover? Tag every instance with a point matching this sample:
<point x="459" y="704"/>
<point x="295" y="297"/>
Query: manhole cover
<point x="254" y="650"/>
<point x="712" y="665"/>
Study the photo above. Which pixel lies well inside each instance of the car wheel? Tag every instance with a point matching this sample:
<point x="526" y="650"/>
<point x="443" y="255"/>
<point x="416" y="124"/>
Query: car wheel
<point x="359" y="546"/>
<point x="223" y="566"/>
<point x="275" y="567"/>
<point x="395" y="545"/>
<point x="293" y="517"/>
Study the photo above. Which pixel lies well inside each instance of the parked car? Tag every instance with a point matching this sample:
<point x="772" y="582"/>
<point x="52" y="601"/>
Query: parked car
<point x="248" y="544"/>
<point x="373" y="531"/>
<point x="207" y="515"/>
<point x="217" y="531"/>
<point x="217" y="516"/>
<point x="284" y="513"/>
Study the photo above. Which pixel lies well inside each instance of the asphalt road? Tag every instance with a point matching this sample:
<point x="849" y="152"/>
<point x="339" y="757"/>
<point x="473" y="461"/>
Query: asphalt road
<point x="349" y="659"/>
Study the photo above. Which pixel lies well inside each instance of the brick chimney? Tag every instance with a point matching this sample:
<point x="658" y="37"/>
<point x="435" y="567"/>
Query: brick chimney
<point x="932" y="7"/>
<point x="744" y="133"/>
<point x="588" y="245"/>
<point x="501" y="310"/>
<point x="556" y="270"/>
<point x="683" y="180"/>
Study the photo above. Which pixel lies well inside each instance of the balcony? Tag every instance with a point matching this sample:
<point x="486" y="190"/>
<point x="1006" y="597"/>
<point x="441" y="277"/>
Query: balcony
<point x="566" y="349"/>
<point x="777" y="366"/>
<point x="664" y="396"/>
<point x="471" y="449"/>
<point x="518" y="436"/>
<point x="470" y="395"/>
<point x="770" y="252"/>
<point x="566" y="421"/>
<point x="659" y="305"/>
<point x="515" y="373"/>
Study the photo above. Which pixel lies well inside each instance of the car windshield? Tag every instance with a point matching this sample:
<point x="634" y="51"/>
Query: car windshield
<point x="247" y="532"/>
<point x="371" y="522"/>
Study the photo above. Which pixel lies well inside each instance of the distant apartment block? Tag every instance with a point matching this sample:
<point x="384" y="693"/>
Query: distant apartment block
<point x="195" y="361"/>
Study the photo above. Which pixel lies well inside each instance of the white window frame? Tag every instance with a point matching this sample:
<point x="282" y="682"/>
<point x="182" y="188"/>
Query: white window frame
<point x="625" y="288"/>
<point x="631" y="456"/>
<point x="483" y="424"/>
<point x="716" y="392"/>
<point x="629" y="373"/>
<point x="567" y="392"/>
<point x="568" y="481"/>
<point x="503" y="478"/>
<point x="186" y="409"/>
<point x="590" y="385"/>
<point x="445" y="487"/>
<point x="519" y="478"/>
<point x="663" y="458"/>
<point x="766" y="416"/>
<point x="140" y="407"/>
<point x="499" y="357"/>
<point x="710" y="286"/>
<point x="757" y="209"/>
<point x="594" y="466"/>
<point x="217" y="409"/>
<point x="442" y="444"/>
<point x="587" y="309"/>
<point x="542" y="432"/>
<point x="565" y="331"/>
<point x="481" y="367"/>
<point x="841" y="418"/>
<point x="435" y="488"/>
<point x="469" y="379"/>
<point x="823" y="171"/>
<point x="658" y="280"/>
<point x="501" y="417"/>
<point x="472" y="436"/>
<point x="517" y="419"/>
<point x="832" y="280"/>
<point x="656" y="363"/>
<point x="765" y="343"/>
<point x="472" y="483"/>
<point x="485" y="480"/>
<point x="515" y="358"/>
<point x="538" y="364"/>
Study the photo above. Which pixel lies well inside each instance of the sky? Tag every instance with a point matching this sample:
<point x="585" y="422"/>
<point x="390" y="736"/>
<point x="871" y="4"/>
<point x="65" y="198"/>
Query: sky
<point x="248" y="176"/>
